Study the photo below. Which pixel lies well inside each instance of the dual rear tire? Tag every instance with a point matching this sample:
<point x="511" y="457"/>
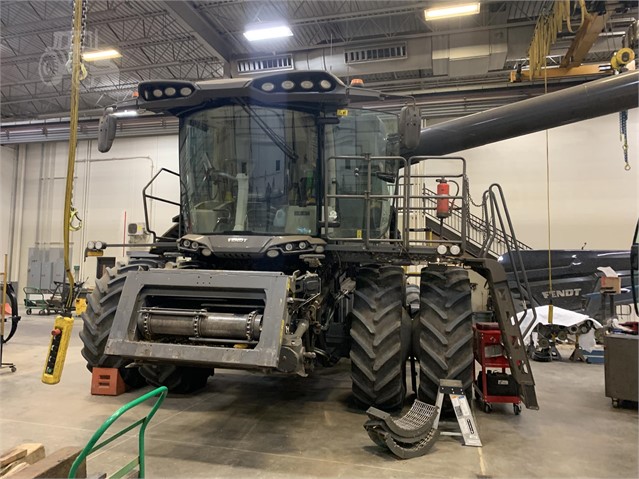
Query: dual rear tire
<point x="381" y="334"/>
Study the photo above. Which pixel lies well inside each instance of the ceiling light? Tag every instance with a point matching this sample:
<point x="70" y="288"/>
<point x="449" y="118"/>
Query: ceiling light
<point x="436" y="13"/>
<point x="264" y="32"/>
<point x="101" y="55"/>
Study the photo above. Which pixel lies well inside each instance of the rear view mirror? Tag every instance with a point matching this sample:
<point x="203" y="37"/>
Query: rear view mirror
<point x="106" y="132"/>
<point x="409" y="127"/>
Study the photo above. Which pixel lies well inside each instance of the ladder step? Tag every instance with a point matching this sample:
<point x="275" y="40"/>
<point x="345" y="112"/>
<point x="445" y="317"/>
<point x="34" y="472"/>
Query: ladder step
<point x="468" y="429"/>
<point x="505" y="315"/>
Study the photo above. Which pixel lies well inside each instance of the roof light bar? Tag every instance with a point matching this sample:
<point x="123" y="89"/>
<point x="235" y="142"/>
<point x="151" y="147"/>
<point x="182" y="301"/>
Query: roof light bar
<point x="101" y="55"/>
<point x="256" y="33"/>
<point x="165" y="89"/>
<point x="437" y="13"/>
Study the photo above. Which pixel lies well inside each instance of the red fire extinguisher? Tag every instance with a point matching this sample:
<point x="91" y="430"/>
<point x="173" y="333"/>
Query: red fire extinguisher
<point x="443" y="204"/>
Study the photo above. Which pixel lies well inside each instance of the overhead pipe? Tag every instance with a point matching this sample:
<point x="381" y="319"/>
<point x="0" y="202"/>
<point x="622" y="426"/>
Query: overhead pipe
<point x="578" y="103"/>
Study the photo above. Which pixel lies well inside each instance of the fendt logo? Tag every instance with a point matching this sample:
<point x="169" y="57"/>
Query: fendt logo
<point x="561" y="293"/>
<point x="237" y="240"/>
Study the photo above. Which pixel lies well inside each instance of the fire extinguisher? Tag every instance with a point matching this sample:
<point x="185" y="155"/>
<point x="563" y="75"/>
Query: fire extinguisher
<point x="443" y="204"/>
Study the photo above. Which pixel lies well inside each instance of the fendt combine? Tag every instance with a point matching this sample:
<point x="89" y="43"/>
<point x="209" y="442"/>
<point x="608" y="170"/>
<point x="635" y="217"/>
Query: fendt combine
<point x="294" y="233"/>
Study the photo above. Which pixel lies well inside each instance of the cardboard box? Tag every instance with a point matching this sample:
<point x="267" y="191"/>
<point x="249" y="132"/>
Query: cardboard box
<point x="610" y="281"/>
<point x="611" y="284"/>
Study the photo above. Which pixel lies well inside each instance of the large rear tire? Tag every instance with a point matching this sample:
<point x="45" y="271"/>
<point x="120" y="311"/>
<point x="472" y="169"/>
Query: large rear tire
<point x="377" y="365"/>
<point x="99" y="315"/>
<point x="444" y="335"/>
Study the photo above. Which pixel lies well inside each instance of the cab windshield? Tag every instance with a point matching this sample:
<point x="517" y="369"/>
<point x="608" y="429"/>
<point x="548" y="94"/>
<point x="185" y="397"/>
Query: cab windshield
<point x="250" y="169"/>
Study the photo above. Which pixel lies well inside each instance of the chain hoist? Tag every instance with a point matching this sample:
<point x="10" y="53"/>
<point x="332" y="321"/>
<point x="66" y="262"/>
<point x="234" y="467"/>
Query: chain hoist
<point x="619" y="62"/>
<point x="63" y="325"/>
<point x="72" y="221"/>
<point x="623" y="136"/>
<point x="82" y="30"/>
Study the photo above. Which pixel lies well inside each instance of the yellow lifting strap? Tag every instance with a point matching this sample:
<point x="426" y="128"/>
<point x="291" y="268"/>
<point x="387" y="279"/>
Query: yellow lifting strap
<point x="70" y="213"/>
<point x="548" y="26"/>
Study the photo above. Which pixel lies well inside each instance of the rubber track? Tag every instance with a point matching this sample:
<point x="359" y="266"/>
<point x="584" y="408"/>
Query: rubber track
<point x="376" y="353"/>
<point x="445" y="337"/>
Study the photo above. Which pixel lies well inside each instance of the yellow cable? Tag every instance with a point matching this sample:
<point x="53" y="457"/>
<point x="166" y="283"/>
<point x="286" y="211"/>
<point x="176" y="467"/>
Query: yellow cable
<point x="550" y="307"/>
<point x="73" y="140"/>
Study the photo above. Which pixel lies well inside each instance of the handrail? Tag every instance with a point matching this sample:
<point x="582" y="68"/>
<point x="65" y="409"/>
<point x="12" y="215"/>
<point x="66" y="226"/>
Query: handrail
<point x="146" y="196"/>
<point x="499" y="211"/>
<point x="91" y="446"/>
<point x="477" y="231"/>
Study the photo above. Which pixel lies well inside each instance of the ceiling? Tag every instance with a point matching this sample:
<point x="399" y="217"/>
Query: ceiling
<point x="198" y="40"/>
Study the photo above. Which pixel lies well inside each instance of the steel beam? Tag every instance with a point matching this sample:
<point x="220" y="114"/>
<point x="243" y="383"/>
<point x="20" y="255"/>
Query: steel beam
<point x="585" y="38"/>
<point x="191" y="20"/>
<point x="582" y="70"/>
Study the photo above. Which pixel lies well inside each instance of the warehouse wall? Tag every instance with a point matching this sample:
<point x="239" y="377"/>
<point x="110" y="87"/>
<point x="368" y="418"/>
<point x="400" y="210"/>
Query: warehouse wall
<point x="8" y="172"/>
<point x="593" y="199"/>
<point x="107" y="194"/>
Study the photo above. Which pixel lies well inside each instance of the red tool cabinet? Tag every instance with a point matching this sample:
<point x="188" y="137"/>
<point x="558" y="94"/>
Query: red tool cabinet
<point x="491" y="355"/>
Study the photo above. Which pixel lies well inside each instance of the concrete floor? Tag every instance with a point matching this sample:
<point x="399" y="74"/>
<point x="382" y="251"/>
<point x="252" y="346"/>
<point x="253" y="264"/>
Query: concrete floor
<point x="249" y="425"/>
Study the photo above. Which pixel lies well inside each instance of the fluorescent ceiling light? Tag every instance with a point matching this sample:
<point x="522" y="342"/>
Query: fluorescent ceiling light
<point x="101" y="55"/>
<point x="436" y="13"/>
<point x="256" y="32"/>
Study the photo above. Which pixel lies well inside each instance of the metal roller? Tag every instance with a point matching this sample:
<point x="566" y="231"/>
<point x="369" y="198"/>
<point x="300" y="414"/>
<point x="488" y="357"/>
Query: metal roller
<point x="154" y="322"/>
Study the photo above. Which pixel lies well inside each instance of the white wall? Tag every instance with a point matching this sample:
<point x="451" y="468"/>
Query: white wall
<point x="8" y="184"/>
<point x="593" y="199"/>
<point x="8" y="172"/>
<point x="107" y="193"/>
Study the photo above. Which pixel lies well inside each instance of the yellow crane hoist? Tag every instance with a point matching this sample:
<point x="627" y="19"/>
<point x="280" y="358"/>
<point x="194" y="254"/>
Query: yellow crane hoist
<point x="63" y="325"/>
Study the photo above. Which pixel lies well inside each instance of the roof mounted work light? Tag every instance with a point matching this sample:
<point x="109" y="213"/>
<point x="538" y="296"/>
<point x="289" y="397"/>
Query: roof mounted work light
<point x="165" y="89"/>
<point x="297" y="82"/>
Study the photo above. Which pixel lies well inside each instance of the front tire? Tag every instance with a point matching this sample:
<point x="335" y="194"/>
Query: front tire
<point x="98" y="320"/>
<point x="377" y="366"/>
<point x="444" y="336"/>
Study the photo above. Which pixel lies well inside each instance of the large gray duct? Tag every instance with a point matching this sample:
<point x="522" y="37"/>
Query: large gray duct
<point x="590" y="100"/>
